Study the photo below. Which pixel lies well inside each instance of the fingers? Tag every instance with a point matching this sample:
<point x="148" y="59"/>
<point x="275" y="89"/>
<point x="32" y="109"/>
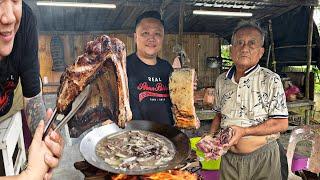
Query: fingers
<point x="234" y="140"/>
<point x="56" y="137"/>
<point x="55" y="143"/>
<point x="48" y="175"/>
<point x="49" y="113"/>
<point x="51" y="161"/>
<point x="39" y="131"/>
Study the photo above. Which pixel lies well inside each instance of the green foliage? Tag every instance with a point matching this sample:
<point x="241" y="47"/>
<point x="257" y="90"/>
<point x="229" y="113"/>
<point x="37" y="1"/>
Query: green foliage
<point x="316" y="88"/>
<point x="316" y="72"/>
<point x="225" y="51"/>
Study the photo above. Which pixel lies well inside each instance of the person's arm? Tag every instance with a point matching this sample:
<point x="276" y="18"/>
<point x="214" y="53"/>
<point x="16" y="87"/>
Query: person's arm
<point x="53" y="141"/>
<point x="268" y="128"/>
<point x="215" y="126"/>
<point x="35" y="111"/>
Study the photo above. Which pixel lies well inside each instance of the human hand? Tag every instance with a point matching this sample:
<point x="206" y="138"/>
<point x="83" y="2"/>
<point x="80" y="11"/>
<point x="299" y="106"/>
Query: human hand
<point x="37" y="168"/>
<point x="211" y="147"/>
<point x="206" y="143"/>
<point x="237" y="134"/>
<point x="176" y="63"/>
<point x="55" y="143"/>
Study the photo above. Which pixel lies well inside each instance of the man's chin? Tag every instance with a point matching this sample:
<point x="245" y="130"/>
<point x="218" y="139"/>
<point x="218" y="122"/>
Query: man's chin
<point x="5" y="49"/>
<point x="4" y="54"/>
<point x="151" y="55"/>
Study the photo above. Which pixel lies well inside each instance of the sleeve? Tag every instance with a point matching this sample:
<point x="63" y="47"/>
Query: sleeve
<point x="277" y="99"/>
<point x="29" y="65"/>
<point x="216" y="104"/>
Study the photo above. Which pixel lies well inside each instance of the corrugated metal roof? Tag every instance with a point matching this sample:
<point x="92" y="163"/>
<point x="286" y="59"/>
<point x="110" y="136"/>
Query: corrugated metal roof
<point x="53" y="19"/>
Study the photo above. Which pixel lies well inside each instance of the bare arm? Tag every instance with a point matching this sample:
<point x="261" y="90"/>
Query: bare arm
<point x="216" y="123"/>
<point x="35" y="111"/>
<point x="270" y="126"/>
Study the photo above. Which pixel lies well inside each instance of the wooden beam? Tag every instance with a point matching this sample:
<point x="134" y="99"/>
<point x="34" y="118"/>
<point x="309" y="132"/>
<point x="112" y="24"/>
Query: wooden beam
<point x="181" y="21"/>
<point x="273" y="56"/>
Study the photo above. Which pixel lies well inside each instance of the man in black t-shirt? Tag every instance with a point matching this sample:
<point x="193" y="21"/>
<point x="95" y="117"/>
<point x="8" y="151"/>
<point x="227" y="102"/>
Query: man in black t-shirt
<point x="148" y="75"/>
<point x="19" y="70"/>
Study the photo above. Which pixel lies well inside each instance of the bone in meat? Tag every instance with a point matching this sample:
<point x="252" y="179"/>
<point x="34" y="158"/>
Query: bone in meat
<point x="103" y="65"/>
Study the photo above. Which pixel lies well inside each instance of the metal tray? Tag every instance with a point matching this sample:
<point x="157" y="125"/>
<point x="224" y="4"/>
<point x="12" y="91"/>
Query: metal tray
<point x="178" y="138"/>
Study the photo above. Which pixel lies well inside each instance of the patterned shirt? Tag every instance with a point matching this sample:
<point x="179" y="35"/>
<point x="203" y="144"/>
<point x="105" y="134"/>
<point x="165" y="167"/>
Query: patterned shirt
<point x="258" y="96"/>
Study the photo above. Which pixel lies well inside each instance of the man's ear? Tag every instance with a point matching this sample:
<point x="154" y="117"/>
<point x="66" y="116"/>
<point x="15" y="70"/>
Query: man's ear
<point x="261" y="52"/>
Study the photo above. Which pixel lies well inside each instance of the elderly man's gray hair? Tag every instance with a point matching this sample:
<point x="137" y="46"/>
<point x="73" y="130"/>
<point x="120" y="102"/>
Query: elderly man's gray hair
<point x="248" y="24"/>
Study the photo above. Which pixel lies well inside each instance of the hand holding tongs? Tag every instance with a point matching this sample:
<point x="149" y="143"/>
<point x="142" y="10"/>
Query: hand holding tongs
<point x="76" y="104"/>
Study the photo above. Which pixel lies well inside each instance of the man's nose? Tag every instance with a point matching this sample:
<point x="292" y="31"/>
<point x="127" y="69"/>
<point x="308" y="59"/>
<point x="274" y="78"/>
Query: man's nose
<point x="245" y="47"/>
<point x="151" y="37"/>
<point x="6" y="13"/>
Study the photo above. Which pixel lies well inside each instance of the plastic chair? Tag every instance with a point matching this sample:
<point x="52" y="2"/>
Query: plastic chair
<point x="304" y="133"/>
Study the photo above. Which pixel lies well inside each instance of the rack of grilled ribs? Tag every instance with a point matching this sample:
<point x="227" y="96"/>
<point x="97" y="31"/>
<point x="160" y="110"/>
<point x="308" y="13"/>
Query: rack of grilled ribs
<point x="103" y="65"/>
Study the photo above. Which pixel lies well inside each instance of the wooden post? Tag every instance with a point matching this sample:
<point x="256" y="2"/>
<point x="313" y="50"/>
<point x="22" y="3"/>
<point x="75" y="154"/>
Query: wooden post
<point x="272" y="47"/>
<point x="268" y="57"/>
<point x="181" y="19"/>
<point x="309" y="51"/>
<point x="309" y="57"/>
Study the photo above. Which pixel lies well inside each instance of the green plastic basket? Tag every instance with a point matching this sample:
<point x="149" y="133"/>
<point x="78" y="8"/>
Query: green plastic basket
<point x="206" y="164"/>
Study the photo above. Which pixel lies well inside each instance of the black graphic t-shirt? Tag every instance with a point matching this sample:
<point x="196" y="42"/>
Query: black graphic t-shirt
<point x="21" y="63"/>
<point x="149" y="91"/>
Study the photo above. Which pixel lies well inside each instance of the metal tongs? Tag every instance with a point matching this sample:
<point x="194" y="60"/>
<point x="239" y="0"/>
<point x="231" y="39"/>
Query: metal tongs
<point x="76" y="104"/>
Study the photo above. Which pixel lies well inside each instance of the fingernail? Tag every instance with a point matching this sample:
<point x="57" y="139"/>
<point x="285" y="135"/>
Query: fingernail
<point x="41" y="123"/>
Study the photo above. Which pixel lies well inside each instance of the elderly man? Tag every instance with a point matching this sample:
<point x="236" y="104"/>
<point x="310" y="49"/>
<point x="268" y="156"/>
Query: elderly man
<point x="19" y="72"/>
<point x="148" y="75"/>
<point x="250" y="99"/>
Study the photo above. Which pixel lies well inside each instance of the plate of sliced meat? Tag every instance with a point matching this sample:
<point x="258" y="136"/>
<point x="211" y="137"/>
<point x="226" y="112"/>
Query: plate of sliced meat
<point x="142" y="147"/>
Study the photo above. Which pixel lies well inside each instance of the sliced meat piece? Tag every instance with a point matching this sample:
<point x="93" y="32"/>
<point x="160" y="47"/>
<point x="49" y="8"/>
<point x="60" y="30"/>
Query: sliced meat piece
<point x="181" y="94"/>
<point x="103" y="65"/>
<point x="212" y="144"/>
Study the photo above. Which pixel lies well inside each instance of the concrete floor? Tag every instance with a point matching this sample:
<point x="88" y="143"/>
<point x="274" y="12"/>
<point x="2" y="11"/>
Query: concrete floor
<point x="66" y="170"/>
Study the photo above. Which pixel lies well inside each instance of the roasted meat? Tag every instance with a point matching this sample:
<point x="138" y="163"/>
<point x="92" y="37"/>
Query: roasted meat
<point x="103" y="65"/>
<point x="212" y="144"/>
<point x="181" y="94"/>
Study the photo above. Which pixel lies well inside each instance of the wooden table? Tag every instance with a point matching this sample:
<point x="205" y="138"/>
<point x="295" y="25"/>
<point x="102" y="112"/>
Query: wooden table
<point x="306" y="104"/>
<point x="205" y="114"/>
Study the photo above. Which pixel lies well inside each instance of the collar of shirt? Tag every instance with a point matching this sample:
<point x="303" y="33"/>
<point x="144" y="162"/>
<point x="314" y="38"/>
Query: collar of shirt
<point x="232" y="70"/>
